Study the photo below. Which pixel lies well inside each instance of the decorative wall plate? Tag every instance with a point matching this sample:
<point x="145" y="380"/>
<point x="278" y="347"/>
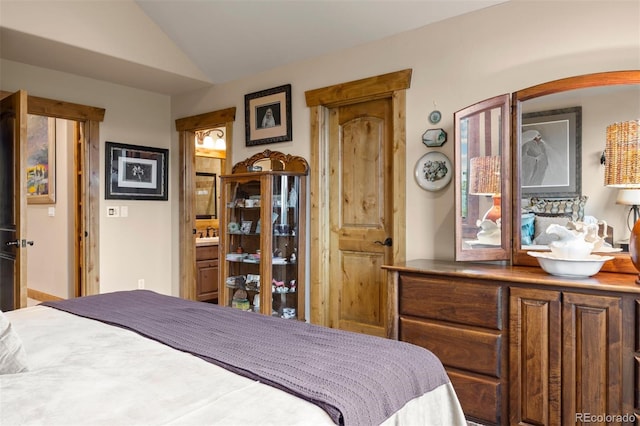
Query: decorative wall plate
<point x="435" y="116"/>
<point x="434" y="137"/>
<point x="433" y="171"/>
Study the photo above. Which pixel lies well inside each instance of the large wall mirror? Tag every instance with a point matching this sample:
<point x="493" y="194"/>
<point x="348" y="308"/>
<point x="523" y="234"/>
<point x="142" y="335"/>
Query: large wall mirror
<point x="559" y="137"/>
<point x="556" y="138"/>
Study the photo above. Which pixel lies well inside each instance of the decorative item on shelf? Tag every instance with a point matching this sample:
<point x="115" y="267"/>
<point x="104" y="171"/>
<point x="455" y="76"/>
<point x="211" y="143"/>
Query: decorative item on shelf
<point x="293" y="198"/>
<point x="433" y="171"/>
<point x="434" y="137"/>
<point x="245" y="228"/>
<point x="288" y="313"/>
<point x="254" y="169"/>
<point x="484" y="179"/>
<point x="622" y="170"/>
<point x="253" y="283"/>
<point x="233" y="228"/>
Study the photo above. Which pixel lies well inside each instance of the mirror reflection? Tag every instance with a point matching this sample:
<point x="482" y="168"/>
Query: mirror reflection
<point x="209" y="165"/>
<point x="562" y="158"/>
<point x="480" y="135"/>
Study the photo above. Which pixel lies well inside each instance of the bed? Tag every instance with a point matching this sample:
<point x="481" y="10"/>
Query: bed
<point x="142" y="358"/>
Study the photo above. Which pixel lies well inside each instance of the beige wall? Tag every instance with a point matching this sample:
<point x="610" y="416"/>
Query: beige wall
<point x="138" y="246"/>
<point x="455" y="63"/>
<point x="50" y="259"/>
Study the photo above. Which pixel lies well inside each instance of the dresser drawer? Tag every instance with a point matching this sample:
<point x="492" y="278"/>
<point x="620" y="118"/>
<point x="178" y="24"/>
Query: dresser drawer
<point x="460" y="301"/>
<point x="206" y="252"/>
<point x="479" y="396"/>
<point x="467" y="349"/>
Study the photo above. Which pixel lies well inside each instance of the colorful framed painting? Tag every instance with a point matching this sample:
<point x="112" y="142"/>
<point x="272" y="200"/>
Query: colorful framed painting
<point x="268" y="116"/>
<point x="41" y="159"/>
<point x="136" y="172"/>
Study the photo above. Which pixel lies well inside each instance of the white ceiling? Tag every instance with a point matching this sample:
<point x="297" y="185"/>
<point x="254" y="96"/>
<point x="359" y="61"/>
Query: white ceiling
<point x="223" y="40"/>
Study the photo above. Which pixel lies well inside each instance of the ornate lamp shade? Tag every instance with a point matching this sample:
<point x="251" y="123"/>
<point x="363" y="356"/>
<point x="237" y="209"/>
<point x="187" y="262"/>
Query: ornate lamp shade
<point x="622" y="170"/>
<point x="484" y="179"/>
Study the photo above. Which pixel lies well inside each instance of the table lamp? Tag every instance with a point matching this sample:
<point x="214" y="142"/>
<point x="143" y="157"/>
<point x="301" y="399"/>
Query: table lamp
<point x="630" y="197"/>
<point x="484" y="179"/>
<point x="622" y="170"/>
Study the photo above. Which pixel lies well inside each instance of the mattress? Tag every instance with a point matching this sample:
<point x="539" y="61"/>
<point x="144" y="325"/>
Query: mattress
<point x="85" y="372"/>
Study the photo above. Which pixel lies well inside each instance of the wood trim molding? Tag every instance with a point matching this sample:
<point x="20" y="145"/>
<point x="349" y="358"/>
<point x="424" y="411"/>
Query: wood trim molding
<point x="61" y="109"/>
<point x="365" y="89"/>
<point x="206" y="120"/>
<point x="41" y="296"/>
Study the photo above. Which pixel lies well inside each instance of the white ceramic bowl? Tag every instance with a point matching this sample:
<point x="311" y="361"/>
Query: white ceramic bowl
<point x="571" y="249"/>
<point x="569" y="268"/>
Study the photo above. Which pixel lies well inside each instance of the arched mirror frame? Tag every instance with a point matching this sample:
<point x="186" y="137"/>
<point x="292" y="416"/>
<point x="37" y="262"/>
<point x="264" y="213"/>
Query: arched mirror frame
<point x="622" y="261"/>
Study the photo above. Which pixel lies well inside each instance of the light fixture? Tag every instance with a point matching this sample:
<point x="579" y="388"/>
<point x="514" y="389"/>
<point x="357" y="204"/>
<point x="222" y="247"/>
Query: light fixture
<point x="484" y="179"/>
<point x="622" y="170"/>
<point x="205" y="140"/>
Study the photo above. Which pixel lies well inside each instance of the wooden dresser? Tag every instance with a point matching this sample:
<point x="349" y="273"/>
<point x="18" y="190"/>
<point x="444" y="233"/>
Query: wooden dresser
<point x="522" y="346"/>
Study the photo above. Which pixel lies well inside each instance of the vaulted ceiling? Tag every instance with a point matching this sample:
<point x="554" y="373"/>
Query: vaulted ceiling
<point x="175" y="46"/>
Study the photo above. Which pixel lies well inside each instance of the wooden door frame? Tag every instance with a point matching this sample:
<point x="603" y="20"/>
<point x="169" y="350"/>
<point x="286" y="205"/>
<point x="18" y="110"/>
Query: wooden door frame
<point x="89" y="119"/>
<point x="392" y="85"/>
<point x="186" y="128"/>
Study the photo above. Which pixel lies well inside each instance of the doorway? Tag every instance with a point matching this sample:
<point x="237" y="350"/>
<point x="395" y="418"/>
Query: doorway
<point x="373" y="109"/>
<point x="186" y="128"/>
<point x="86" y="195"/>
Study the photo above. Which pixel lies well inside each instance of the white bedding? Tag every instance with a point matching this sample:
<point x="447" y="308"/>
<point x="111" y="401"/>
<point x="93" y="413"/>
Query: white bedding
<point x="84" y="372"/>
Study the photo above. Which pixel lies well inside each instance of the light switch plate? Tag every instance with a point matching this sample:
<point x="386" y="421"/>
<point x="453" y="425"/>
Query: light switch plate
<point x="113" y="211"/>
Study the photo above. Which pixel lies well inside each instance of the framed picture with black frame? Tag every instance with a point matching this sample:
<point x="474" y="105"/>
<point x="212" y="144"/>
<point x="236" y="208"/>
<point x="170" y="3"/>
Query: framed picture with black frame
<point x="135" y="172"/>
<point x="268" y="116"/>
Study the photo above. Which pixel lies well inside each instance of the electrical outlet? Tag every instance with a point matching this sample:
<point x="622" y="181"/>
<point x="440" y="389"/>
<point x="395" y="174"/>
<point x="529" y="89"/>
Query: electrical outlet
<point x="141" y="284"/>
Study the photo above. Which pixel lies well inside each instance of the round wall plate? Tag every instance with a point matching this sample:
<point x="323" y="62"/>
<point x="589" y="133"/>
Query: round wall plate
<point x="435" y="116"/>
<point x="433" y="171"/>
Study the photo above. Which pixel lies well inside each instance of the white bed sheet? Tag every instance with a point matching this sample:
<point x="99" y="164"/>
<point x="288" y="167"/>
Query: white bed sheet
<point x="84" y="372"/>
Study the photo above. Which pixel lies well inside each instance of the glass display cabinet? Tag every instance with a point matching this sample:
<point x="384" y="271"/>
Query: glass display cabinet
<point x="262" y="242"/>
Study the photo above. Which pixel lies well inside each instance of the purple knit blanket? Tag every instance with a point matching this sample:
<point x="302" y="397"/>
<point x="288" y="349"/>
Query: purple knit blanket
<point x="358" y="379"/>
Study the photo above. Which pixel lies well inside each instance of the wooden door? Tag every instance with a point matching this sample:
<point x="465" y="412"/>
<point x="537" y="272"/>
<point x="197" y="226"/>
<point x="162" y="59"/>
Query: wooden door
<point x="13" y="200"/>
<point x="359" y="215"/>
<point x="535" y="336"/>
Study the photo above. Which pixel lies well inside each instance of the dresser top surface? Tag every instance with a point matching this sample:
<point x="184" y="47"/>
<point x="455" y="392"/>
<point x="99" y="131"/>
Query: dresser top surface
<point x="604" y="281"/>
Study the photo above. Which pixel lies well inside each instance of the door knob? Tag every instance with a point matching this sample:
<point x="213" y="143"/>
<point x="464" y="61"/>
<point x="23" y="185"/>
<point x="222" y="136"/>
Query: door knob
<point x="387" y="242"/>
<point x="19" y="243"/>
